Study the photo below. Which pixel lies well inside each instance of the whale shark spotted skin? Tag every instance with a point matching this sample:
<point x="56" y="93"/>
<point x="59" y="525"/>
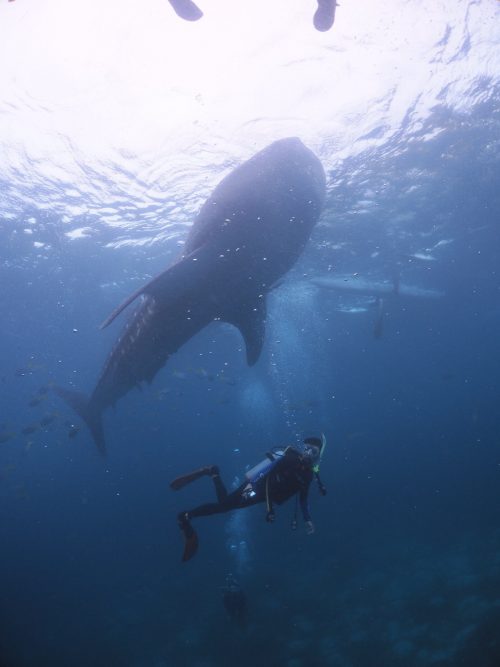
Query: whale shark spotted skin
<point x="248" y="234"/>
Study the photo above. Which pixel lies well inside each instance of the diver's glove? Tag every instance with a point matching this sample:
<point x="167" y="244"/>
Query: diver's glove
<point x="270" y="516"/>
<point x="309" y="527"/>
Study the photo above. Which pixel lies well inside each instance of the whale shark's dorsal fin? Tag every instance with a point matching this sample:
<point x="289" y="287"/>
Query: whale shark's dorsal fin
<point x="250" y="318"/>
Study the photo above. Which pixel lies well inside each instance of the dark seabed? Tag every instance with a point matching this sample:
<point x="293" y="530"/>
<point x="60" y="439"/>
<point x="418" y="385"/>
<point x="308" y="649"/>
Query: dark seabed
<point x="109" y="149"/>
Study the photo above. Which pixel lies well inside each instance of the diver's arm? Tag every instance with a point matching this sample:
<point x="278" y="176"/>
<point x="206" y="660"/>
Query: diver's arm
<point x="304" y="506"/>
<point x="270" y="516"/>
<point x="321" y="486"/>
<point x="304" y="503"/>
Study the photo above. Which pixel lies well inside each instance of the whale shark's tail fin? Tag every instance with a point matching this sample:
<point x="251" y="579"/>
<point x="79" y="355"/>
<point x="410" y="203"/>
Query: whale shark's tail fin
<point x="81" y="405"/>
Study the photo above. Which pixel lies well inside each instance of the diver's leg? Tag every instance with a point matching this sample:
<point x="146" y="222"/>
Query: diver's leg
<point x="234" y="500"/>
<point x="228" y="502"/>
<point x="180" y="482"/>
<point x="190" y="536"/>
<point x="205" y="510"/>
<point x="220" y="488"/>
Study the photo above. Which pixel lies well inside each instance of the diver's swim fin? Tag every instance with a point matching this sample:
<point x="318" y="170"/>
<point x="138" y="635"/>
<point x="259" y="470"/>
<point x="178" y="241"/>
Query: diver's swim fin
<point x="190" y="540"/>
<point x="186" y="9"/>
<point x="325" y="15"/>
<point x="183" y="480"/>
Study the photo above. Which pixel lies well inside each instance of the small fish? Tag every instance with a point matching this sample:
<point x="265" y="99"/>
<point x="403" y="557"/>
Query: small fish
<point x="28" y="369"/>
<point x="36" y="400"/>
<point x="21" y="492"/>
<point x="306" y="404"/>
<point x="226" y="379"/>
<point x="73" y="431"/>
<point x="203" y="374"/>
<point x="5" y="437"/>
<point x="162" y="393"/>
<point x="354" y="435"/>
<point x="48" y="419"/>
<point x="31" y="428"/>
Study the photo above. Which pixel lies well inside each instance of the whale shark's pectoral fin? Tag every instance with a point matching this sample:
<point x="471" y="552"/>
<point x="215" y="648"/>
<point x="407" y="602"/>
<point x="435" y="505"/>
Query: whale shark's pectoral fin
<point x="250" y="319"/>
<point x="169" y="284"/>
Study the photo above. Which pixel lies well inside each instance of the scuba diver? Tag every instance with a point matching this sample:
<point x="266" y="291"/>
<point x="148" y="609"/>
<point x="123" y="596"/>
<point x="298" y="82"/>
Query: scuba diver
<point x="285" y="472"/>
<point x="324" y="16"/>
<point x="235" y="602"/>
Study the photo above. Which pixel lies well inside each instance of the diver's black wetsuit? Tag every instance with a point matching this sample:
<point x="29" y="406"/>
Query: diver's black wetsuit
<point x="292" y="474"/>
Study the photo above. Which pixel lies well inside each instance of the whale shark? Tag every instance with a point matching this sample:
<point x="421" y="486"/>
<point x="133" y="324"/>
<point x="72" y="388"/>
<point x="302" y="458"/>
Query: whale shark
<point x="246" y="236"/>
<point x="381" y="291"/>
<point x="354" y="284"/>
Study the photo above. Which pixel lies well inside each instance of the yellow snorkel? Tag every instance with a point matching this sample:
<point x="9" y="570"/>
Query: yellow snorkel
<point x="321" y="450"/>
<point x="320" y="444"/>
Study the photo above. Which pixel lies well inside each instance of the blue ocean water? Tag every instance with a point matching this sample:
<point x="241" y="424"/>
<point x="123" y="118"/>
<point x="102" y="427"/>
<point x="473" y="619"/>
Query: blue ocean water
<point x="109" y="149"/>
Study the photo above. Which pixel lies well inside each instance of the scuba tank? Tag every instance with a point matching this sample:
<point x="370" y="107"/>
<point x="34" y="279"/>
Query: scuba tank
<point x="260" y="470"/>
